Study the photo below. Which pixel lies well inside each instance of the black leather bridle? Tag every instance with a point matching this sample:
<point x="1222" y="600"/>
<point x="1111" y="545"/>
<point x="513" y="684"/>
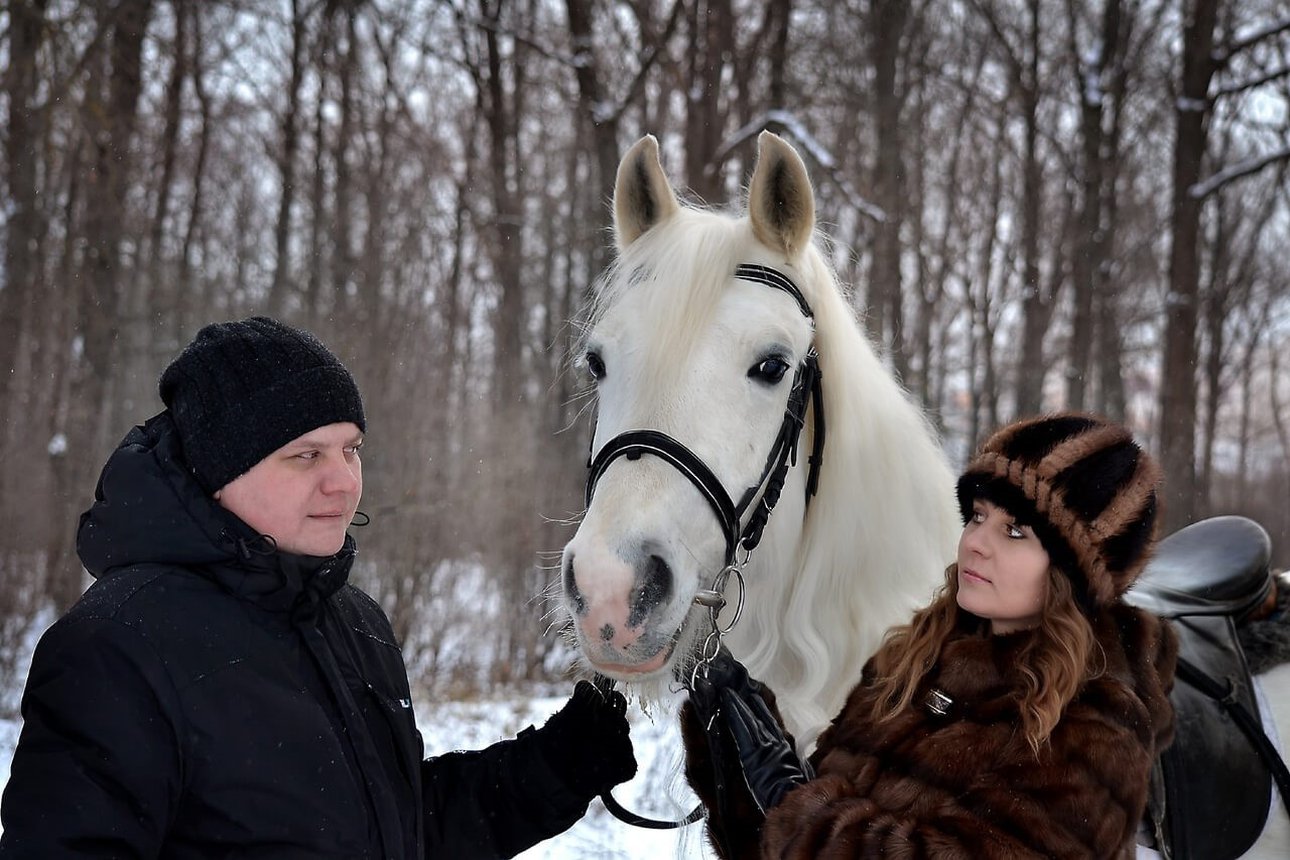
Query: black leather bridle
<point x="764" y="494"/>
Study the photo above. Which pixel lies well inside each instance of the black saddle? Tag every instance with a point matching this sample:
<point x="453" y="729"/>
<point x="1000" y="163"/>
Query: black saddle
<point x="1213" y="787"/>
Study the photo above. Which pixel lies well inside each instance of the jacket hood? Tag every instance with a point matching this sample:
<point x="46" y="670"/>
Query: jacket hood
<point x="150" y="509"/>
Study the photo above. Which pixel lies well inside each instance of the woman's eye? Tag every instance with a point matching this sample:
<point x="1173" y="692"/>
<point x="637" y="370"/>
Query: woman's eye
<point x="1015" y="532"/>
<point x="595" y="365"/>
<point x="769" y="370"/>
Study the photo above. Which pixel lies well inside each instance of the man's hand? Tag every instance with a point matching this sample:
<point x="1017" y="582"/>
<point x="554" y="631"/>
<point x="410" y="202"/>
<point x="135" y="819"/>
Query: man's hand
<point x="586" y="742"/>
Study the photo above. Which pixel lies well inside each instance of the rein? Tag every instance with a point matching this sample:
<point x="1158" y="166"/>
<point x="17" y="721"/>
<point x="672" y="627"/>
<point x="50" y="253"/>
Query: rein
<point x="761" y="497"/>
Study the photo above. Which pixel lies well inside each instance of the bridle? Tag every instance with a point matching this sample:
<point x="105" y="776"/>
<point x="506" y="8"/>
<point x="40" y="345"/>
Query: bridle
<point x="741" y="529"/>
<point x="765" y="492"/>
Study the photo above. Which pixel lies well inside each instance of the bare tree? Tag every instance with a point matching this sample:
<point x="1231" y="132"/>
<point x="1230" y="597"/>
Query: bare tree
<point x="287" y="160"/>
<point x="889" y="21"/>
<point x="111" y="129"/>
<point x="1201" y="59"/>
<point x="24" y="230"/>
<point x="1094" y="70"/>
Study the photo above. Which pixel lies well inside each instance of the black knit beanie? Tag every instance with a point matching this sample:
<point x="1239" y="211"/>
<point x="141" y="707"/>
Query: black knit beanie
<point x="1084" y="486"/>
<point x="242" y="390"/>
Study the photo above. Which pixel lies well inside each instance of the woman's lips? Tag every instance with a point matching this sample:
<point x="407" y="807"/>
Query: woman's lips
<point x="972" y="575"/>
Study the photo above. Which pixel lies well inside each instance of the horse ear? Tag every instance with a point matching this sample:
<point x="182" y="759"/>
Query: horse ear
<point x="781" y="203"/>
<point x="642" y="195"/>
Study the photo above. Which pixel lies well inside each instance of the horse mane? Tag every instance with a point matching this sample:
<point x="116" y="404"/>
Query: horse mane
<point x="876" y="538"/>
<point x="829" y="580"/>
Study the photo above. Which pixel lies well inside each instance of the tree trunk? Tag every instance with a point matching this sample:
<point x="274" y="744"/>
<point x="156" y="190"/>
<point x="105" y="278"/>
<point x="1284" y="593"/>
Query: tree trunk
<point x="1216" y="297"/>
<point x="711" y="43"/>
<point x="185" y="303"/>
<point x="343" y="238"/>
<point x="592" y="105"/>
<point x="172" y="120"/>
<point x="112" y="132"/>
<point x="888" y="23"/>
<point x="287" y="164"/>
<point x="1036" y="305"/>
<point x="1111" y="400"/>
<point x="23" y="226"/>
<point x="318" y="224"/>
<point x="1178" y="366"/>
<point x="1091" y="81"/>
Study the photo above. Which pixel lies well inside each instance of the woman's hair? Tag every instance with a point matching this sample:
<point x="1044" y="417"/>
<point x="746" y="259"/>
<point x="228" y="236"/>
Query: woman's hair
<point x="1060" y="656"/>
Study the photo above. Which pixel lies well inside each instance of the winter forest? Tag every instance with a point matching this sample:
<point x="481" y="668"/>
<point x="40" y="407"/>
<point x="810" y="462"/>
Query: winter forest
<point x="1037" y="204"/>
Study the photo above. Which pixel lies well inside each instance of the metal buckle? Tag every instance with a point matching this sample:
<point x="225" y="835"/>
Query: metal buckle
<point x="938" y="703"/>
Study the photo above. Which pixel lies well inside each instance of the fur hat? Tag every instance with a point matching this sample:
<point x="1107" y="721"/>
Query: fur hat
<point x="1084" y="486"/>
<point x="242" y="390"/>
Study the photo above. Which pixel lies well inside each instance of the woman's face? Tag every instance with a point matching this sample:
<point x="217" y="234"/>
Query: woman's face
<point x="1003" y="569"/>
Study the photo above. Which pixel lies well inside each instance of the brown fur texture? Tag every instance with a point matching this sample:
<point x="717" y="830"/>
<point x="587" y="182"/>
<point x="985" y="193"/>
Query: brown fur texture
<point x="967" y="784"/>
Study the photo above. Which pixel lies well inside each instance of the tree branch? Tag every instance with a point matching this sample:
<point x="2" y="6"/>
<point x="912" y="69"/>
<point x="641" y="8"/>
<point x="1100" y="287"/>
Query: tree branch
<point x="1201" y="190"/>
<point x="1242" y="86"/>
<point x="1241" y="43"/>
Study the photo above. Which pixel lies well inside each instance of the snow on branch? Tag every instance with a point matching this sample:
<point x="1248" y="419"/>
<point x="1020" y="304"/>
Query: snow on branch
<point x="1201" y="190"/>
<point x="787" y="122"/>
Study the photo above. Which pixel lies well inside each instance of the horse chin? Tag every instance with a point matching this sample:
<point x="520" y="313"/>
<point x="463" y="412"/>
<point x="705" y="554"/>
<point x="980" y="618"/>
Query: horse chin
<point x="636" y="672"/>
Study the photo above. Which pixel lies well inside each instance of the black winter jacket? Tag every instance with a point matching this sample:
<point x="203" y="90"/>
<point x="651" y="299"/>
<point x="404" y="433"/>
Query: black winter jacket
<point x="211" y="697"/>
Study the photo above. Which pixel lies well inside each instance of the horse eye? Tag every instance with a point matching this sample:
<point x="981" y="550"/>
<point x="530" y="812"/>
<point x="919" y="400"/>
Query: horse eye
<point x="769" y="370"/>
<point x="595" y="365"/>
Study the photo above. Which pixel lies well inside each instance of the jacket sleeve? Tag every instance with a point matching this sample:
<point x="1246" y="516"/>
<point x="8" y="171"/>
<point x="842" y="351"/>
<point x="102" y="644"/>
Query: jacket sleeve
<point x="97" y="770"/>
<point x="495" y="802"/>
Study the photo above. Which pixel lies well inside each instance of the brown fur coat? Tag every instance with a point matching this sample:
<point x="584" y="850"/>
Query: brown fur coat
<point x="967" y="784"/>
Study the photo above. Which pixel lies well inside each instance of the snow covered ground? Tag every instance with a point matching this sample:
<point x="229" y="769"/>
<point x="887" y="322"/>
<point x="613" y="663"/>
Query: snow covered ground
<point x="598" y="836"/>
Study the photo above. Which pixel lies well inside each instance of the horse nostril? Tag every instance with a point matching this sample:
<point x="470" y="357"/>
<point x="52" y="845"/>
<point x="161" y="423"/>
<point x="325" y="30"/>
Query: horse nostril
<point x="654" y="586"/>
<point x="571" y="589"/>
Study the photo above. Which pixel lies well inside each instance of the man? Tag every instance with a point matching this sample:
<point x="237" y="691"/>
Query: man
<point x="221" y="690"/>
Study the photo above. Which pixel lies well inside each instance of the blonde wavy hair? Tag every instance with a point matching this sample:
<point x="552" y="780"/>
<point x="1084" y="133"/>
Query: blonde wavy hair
<point x="1061" y="656"/>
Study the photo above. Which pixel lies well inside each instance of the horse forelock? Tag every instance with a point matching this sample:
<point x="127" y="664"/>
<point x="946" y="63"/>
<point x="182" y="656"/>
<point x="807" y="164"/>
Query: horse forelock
<point x="677" y="273"/>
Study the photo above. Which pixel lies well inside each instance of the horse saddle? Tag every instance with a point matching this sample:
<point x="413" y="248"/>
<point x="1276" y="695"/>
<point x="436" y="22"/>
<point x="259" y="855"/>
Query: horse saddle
<point x="1212" y="790"/>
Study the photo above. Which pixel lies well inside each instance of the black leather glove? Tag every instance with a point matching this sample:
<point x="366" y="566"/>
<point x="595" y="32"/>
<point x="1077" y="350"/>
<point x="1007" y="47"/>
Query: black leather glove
<point x="770" y="766"/>
<point x="586" y="742"/>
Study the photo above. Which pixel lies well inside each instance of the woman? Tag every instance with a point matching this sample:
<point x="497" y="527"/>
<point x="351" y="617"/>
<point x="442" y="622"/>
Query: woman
<point x="1016" y="716"/>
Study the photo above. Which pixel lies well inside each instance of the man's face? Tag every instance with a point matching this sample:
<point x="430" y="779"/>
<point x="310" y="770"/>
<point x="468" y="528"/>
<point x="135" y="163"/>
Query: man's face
<point x="304" y="494"/>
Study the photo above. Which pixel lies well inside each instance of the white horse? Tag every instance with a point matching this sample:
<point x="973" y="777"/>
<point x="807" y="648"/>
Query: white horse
<point x="683" y="342"/>
<point x="678" y="344"/>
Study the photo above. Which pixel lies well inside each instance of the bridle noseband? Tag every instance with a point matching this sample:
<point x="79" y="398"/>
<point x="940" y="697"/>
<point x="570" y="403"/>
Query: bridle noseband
<point x="761" y="496"/>
<point x="765" y="492"/>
